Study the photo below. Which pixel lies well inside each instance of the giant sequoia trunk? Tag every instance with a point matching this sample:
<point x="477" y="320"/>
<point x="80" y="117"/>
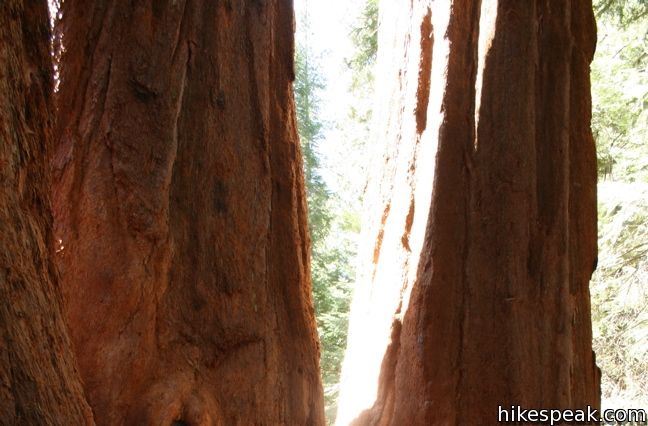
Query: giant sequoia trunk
<point x="474" y="290"/>
<point x="39" y="383"/>
<point x="179" y="203"/>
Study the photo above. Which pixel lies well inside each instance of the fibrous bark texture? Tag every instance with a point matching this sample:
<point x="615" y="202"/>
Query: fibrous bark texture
<point x="179" y="203"/>
<point x="39" y="382"/>
<point x="474" y="288"/>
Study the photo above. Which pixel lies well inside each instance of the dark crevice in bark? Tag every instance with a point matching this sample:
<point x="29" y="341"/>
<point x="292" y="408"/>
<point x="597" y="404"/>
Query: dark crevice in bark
<point x="181" y="32"/>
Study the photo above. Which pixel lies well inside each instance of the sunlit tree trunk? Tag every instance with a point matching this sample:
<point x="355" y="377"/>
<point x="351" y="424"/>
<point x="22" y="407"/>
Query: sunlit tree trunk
<point x="179" y="201"/>
<point x="473" y="291"/>
<point x="39" y="382"/>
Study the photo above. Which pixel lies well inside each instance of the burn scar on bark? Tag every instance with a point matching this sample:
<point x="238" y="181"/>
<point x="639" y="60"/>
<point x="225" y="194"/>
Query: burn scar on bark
<point x="408" y="224"/>
<point x="381" y="233"/>
<point x="425" y="70"/>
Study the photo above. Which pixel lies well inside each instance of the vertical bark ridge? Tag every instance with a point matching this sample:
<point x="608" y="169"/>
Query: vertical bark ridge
<point x="582" y="205"/>
<point x="497" y="312"/>
<point x="502" y="195"/>
<point x="472" y="54"/>
<point x="552" y="177"/>
<point x="191" y="246"/>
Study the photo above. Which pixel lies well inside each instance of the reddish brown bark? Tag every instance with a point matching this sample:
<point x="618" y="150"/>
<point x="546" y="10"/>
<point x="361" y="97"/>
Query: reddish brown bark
<point x="179" y="200"/>
<point x="39" y="383"/>
<point x="475" y="290"/>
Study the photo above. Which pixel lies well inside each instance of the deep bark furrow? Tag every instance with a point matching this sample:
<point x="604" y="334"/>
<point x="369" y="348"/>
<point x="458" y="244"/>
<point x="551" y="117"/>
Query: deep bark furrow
<point x="39" y="381"/>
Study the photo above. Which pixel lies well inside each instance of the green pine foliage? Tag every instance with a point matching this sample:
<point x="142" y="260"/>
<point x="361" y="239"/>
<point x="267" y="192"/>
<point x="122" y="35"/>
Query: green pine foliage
<point x="364" y="35"/>
<point x="307" y="85"/>
<point x="353" y="158"/>
<point x="331" y="231"/>
<point x="620" y="125"/>
<point x="624" y="12"/>
<point x="334" y="218"/>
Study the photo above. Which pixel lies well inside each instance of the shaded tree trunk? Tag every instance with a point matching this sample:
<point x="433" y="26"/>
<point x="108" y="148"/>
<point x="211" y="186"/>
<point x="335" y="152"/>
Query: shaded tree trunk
<point x="474" y="288"/>
<point x="39" y="382"/>
<point x="179" y="201"/>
